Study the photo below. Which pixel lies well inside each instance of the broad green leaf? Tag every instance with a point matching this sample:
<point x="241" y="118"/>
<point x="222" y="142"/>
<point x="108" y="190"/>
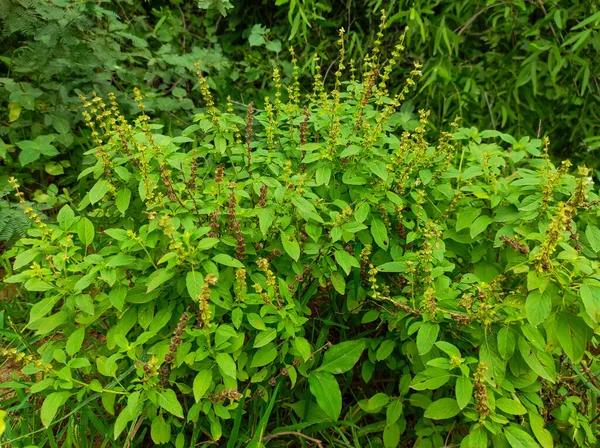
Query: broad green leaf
<point x="98" y="191"/>
<point x="264" y="337"/>
<point x="393" y="411"/>
<point x="464" y="391"/>
<point x="427" y="336"/>
<point x="121" y="260"/>
<point x="593" y="235"/>
<point x="541" y="434"/>
<point x="264" y="355"/>
<point x="25" y="258"/>
<point x="169" y="402"/>
<point x="202" y="383"/>
<point x="52" y="403"/>
<point x="256" y="321"/>
<point x="65" y="217"/>
<point x="85" y="231"/>
<point x="122" y="199"/>
<point x="74" y="342"/>
<point x="510" y="406"/>
<point x="385" y="349"/>
<point x="158" y="277"/>
<point x="342" y="357"/>
<point x="379" y="232"/>
<point x="338" y="282"/>
<point x="479" y="225"/>
<point x="507" y="343"/>
<point x="391" y="435"/>
<point x="291" y="246"/>
<point x="228" y="260"/>
<point x="194" y="282"/>
<point x="538" y="307"/>
<point x="326" y="390"/>
<point x="346" y="261"/>
<point x="266" y="216"/>
<point x="518" y="438"/>
<point x="160" y="430"/>
<point x="227" y="364"/>
<point x="572" y="334"/>
<point x="590" y="296"/>
<point x="442" y="409"/>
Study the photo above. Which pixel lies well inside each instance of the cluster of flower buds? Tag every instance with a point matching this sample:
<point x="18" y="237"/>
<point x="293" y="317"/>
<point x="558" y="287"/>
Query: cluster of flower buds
<point x="203" y="299"/>
<point x="234" y="224"/>
<point x="176" y="340"/>
<point x="214" y="224"/>
<point x="515" y="244"/>
<point x="262" y="202"/>
<point x="249" y="118"/>
<point x="481" y="396"/>
<point x="224" y="394"/>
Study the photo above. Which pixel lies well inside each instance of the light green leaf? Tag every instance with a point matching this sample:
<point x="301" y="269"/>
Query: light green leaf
<point x="442" y="409"/>
<point x="85" y="231"/>
<point x="226" y="364"/>
<point x="228" y="260"/>
<point x="202" y="383"/>
<point x="464" y="391"/>
<point x="379" y="232"/>
<point x="291" y="246"/>
<point x="326" y="390"/>
<point x="194" y="282"/>
<point x="169" y="402"/>
<point x="538" y="307"/>
<point x="157" y="278"/>
<point x="342" y="357"/>
<point x="479" y="225"/>
<point x="52" y="403"/>
<point x="264" y="355"/>
<point x="346" y="261"/>
<point x="98" y="191"/>
<point x="512" y="407"/>
<point x="427" y="336"/>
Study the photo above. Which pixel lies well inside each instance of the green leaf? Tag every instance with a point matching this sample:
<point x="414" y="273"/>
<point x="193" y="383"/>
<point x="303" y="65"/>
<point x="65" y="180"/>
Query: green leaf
<point x="194" y="282"/>
<point x="392" y="266"/>
<point x="121" y="260"/>
<point x="226" y="364"/>
<point x="65" y="217"/>
<point x="393" y="412"/>
<point x="507" y="343"/>
<point x="342" y="357"/>
<point x="479" y="225"/>
<point x="266" y="216"/>
<point x="202" y="383"/>
<point x="464" y="391"/>
<point x="169" y="402"/>
<point x="542" y="434"/>
<point x="426" y="337"/>
<point x="391" y="436"/>
<point x="518" y="438"/>
<point x="512" y="407"/>
<point x="158" y="277"/>
<point x="228" y="260"/>
<point x="378" y="168"/>
<point x="590" y="296"/>
<point x="338" y="282"/>
<point x="264" y="355"/>
<point x="442" y="409"/>
<point x="160" y="430"/>
<point x="385" y="349"/>
<point x="346" y="261"/>
<point x="256" y="321"/>
<point x="25" y="258"/>
<point x="538" y="307"/>
<point x="54" y="168"/>
<point x="323" y="175"/>
<point x="572" y="334"/>
<point x="52" y="403"/>
<point x="98" y="191"/>
<point x="593" y="235"/>
<point x="122" y="199"/>
<point x="85" y="231"/>
<point x="379" y="232"/>
<point x="74" y="342"/>
<point x="264" y="337"/>
<point x="303" y="347"/>
<point x="291" y="246"/>
<point x="326" y="390"/>
<point x="37" y="285"/>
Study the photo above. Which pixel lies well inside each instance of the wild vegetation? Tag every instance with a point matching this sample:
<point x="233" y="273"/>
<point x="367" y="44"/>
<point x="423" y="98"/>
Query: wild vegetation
<point x="212" y="239"/>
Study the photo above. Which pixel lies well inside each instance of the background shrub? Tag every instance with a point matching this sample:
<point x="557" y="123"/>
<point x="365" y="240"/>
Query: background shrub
<point x="311" y="270"/>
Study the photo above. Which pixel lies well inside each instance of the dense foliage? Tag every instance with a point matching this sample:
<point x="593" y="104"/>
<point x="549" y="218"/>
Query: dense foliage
<point x="314" y="272"/>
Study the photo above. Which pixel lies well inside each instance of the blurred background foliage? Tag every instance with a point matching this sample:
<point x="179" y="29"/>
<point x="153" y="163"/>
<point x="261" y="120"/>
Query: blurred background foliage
<point x="523" y="67"/>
